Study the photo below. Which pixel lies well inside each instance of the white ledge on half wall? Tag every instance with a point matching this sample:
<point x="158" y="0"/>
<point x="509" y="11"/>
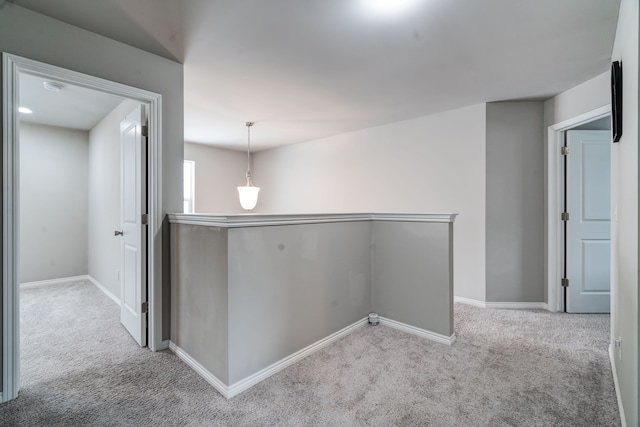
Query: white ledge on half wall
<point x="257" y="220"/>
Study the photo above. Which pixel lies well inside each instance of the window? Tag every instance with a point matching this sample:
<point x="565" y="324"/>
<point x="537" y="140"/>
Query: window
<point x="189" y="186"/>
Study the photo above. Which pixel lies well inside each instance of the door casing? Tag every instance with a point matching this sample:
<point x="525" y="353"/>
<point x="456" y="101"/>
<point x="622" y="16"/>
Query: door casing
<point x="12" y="66"/>
<point x="555" y="195"/>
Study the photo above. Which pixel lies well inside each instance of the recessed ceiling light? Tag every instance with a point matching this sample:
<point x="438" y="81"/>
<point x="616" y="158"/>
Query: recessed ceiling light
<point x="53" y="86"/>
<point x="388" y="8"/>
<point x="24" y="110"/>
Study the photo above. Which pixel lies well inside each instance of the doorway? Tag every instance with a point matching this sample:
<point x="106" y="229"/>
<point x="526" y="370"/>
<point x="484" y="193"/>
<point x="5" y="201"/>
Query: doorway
<point x="578" y="211"/>
<point x="13" y="67"/>
<point x="587" y="237"/>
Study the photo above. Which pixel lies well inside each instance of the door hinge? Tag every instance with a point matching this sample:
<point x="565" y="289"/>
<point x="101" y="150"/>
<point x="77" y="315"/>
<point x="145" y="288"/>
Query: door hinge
<point x="145" y="219"/>
<point x="145" y="131"/>
<point x="565" y="282"/>
<point x="565" y="216"/>
<point x="564" y="150"/>
<point x="145" y="307"/>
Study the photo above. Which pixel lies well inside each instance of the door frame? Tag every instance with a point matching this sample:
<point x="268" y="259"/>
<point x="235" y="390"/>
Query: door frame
<point x="12" y="66"/>
<point x="555" y="195"/>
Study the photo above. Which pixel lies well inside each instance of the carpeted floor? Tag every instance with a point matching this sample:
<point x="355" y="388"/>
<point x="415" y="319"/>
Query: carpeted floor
<point x="507" y="368"/>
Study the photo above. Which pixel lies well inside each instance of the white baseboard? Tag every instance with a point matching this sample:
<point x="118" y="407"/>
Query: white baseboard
<point x="612" y="359"/>
<point x="251" y="380"/>
<point x="200" y="370"/>
<point x="265" y="373"/>
<point x="103" y="289"/>
<point x="52" y="282"/>
<point x="423" y="333"/>
<point x="519" y="305"/>
<point x="86" y="277"/>
<point x="505" y="305"/>
<point x="469" y="301"/>
<point x="244" y="384"/>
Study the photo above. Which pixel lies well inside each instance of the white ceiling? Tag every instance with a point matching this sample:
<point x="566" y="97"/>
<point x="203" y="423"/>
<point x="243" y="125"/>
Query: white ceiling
<point x="308" y="69"/>
<point x="72" y="107"/>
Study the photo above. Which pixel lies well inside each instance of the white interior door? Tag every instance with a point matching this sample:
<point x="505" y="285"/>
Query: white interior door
<point x="133" y="283"/>
<point x="589" y="226"/>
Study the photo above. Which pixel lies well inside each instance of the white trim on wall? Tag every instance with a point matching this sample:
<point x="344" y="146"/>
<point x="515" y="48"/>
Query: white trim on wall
<point x="53" y="282"/>
<point x="10" y="238"/>
<point x="516" y="305"/>
<point x="612" y="359"/>
<point x="555" y="190"/>
<point x="106" y="291"/>
<point x="253" y="379"/>
<point x="519" y="305"/>
<point x="200" y="370"/>
<point x="12" y="66"/>
<point x="469" y="301"/>
<point x="423" y="333"/>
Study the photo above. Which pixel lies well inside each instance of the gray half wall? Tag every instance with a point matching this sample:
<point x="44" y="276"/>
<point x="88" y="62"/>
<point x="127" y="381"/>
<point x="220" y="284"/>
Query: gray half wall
<point x="291" y="286"/>
<point x="413" y="273"/>
<point x="248" y="295"/>
<point x="199" y="295"/>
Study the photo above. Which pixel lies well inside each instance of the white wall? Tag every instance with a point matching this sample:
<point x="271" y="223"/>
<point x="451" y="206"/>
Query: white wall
<point x="430" y="164"/>
<point x="104" y="198"/>
<point x="588" y="96"/>
<point x="53" y="202"/>
<point x="624" y="287"/>
<point x="625" y="204"/>
<point x="218" y="173"/>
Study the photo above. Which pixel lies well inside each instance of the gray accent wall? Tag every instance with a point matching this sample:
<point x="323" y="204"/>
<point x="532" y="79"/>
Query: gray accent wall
<point x="53" y="202"/>
<point x="515" y="204"/>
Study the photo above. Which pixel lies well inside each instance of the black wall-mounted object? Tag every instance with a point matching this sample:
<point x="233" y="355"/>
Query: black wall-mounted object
<point x="616" y="100"/>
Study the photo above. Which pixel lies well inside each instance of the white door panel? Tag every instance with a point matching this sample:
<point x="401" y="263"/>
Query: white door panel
<point x="133" y="286"/>
<point x="589" y="226"/>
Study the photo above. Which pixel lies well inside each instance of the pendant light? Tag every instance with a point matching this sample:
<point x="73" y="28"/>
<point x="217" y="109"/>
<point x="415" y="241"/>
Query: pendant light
<point x="248" y="194"/>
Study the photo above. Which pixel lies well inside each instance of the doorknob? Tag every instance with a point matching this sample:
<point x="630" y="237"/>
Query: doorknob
<point x="118" y="233"/>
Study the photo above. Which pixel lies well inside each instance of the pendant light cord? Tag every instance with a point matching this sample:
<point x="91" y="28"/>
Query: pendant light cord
<point x="249" y="181"/>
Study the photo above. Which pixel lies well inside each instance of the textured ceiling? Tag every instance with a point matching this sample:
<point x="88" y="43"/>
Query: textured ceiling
<point x="307" y="69"/>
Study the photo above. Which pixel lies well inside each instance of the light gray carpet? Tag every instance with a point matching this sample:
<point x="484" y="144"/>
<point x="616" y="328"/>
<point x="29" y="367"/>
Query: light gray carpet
<point x="508" y="367"/>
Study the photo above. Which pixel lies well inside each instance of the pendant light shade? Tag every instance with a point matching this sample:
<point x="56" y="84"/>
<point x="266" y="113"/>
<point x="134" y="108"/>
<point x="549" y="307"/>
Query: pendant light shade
<point x="248" y="197"/>
<point x="248" y="194"/>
